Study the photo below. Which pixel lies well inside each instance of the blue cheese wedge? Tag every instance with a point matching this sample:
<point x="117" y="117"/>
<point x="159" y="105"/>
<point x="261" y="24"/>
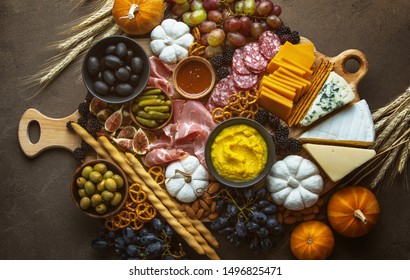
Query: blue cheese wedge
<point x="334" y="94"/>
<point x="336" y="161"/>
<point x="351" y="127"/>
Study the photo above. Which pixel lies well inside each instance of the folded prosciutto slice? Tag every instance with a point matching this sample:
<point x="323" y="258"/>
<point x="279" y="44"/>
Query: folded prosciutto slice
<point x="159" y="75"/>
<point x="160" y="156"/>
<point x="191" y="127"/>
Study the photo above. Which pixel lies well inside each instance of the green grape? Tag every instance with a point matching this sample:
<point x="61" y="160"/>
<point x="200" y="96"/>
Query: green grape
<point x="239" y="7"/>
<point x="216" y="37"/>
<point x="186" y="18"/>
<point x="179" y="9"/>
<point x="249" y="7"/>
<point x="196" y="5"/>
<point x="198" y="16"/>
<point x="179" y="1"/>
<point x="212" y="51"/>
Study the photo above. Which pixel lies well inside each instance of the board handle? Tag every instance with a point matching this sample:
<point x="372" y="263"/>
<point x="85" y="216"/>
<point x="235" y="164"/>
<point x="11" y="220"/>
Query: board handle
<point x="53" y="133"/>
<point x="340" y="65"/>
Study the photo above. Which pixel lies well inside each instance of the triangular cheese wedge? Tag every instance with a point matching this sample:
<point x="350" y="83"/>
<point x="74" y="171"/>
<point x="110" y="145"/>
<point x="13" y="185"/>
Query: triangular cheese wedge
<point x="351" y="127"/>
<point x="334" y="94"/>
<point x="338" y="161"/>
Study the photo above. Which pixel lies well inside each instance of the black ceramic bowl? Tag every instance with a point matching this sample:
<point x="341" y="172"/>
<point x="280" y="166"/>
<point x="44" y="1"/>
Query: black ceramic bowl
<point x="270" y="157"/>
<point x="98" y="51"/>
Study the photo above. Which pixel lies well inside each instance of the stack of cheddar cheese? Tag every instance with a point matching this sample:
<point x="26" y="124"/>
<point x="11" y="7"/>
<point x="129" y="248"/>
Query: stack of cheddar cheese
<point x="287" y="80"/>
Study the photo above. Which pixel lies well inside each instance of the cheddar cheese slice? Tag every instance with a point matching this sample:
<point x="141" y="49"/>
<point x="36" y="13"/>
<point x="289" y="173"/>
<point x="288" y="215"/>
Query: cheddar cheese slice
<point x="336" y="161"/>
<point x="274" y="104"/>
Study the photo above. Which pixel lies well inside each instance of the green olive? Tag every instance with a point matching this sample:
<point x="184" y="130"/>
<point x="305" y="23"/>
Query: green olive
<point x="107" y="195"/>
<point x="86" y="171"/>
<point x="116" y="199"/>
<point x="89" y="188"/>
<point x="101" y="208"/>
<point x="100" y="167"/>
<point x="85" y="203"/>
<point x="95" y="176"/>
<point x="81" y="182"/>
<point x="110" y="185"/>
<point x="96" y="199"/>
<point x="108" y="174"/>
<point x="119" y="180"/>
<point x="82" y="193"/>
<point x="101" y="186"/>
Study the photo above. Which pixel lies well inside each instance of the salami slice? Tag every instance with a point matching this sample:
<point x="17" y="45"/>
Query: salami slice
<point x="269" y="44"/>
<point x="220" y="93"/>
<point x="245" y="81"/>
<point x="238" y="63"/>
<point x="253" y="59"/>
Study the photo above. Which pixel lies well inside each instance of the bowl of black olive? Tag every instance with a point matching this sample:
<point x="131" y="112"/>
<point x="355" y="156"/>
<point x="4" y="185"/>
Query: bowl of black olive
<point x="116" y="69"/>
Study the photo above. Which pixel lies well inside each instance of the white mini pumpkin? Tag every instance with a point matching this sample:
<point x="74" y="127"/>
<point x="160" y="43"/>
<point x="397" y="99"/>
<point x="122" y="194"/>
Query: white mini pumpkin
<point x="295" y="183"/>
<point x="186" y="179"/>
<point x="171" y="40"/>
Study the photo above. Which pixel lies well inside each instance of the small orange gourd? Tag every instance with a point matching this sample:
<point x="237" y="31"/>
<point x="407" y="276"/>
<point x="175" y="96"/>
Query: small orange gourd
<point x="353" y="211"/>
<point x="312" y="240"/>
<point x="138" y="17"/>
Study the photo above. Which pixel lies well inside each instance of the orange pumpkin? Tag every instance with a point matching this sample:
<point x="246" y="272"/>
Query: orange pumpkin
<point x="138" y="17"/>
<point x="353" y="211"/>
<point x="312" y="240"/>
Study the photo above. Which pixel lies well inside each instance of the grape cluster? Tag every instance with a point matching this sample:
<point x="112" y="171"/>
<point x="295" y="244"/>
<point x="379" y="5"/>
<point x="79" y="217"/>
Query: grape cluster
<point x="228" y="22"/>
<point x="153" y="241"/>
<point x="248" y="218"/>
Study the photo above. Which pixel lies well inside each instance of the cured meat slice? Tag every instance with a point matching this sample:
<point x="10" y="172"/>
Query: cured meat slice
<point x="245" y="81"/>
<point x="220" y="93"/>
<point x="269" y="44"/>
<point x="238" y="64"/>
<point x="162" y="156"/>
<point x="253" y="59"/>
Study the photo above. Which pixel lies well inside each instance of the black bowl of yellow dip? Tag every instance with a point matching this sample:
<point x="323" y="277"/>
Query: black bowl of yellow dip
<point x="239" y="152"/>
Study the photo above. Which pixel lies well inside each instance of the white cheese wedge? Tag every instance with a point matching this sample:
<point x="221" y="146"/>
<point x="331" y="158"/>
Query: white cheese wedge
<point x="336" y="161"/>
<point x="351" y="127"/>
<point x="334" y="94"/>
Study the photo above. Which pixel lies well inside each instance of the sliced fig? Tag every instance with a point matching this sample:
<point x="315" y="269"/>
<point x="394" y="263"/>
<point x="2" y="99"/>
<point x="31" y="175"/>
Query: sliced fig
<point x="96" y="105"/>
<point x="114" y="121"/>
<point x="152" y="137"/>
<point x="127" y="132"/>
<point x="104" y="114"/>
<point x="140" y="143"/>
<point x="126" y="119"/>
<point x="124" y="144"/>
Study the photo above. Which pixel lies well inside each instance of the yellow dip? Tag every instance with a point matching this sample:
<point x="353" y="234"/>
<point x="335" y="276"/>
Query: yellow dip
<point x="239" y="153"/>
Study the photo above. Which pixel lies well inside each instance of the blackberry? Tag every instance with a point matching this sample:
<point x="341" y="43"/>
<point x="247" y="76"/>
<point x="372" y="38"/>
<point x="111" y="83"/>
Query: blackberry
<point x="273" y="120"/>
<point x="88" y="97"/>
<point x="285" y="37"/>
<point x="85" y="147"/>
<point x="222" y="72"/>
<point x="228" y="55"/>
<point x="82" y="121"/>
<point x="93" y="125"/>
<point x="79" y="153"/>
<point x="217" y="61"/>
<point x="293" y="145"/>
<point x="282" y="134"/>
<point x="282" y="30"/>
<point x="294" y="37"/>
<point x="69" y="126"/>
<point x="262" y="116"/>
<point x="83" y="108"/>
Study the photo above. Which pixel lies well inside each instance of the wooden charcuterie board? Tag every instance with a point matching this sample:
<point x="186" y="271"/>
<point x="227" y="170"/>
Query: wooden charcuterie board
<point x="54" y="134"/>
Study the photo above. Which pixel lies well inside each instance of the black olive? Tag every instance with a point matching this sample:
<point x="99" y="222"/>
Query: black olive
<point x="121" y="50"/>
<point x="110" y="49"/>
<point x="100" y="87"/>
<point x="134" y="80"/>
<point x="109" y="77"/>
<point x="122" y="74"/>
<point x="93" y="65"/>
<point x="123" y="89"/>
<point x="130" y="55"/>
<point x="137" y="65"/>
<point x="112" y="61"/>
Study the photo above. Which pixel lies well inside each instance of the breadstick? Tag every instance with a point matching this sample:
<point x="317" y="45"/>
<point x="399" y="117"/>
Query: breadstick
<point x="171" y="205"/>
<point x="89" y="139"/>
<point x="205" y="232"/>
<point x="158" y="204"/>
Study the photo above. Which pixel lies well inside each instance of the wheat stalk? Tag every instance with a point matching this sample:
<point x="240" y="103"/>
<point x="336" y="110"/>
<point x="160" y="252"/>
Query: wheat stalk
<point x="403" y="158"/>
<point x="101" y="12"/>
<point x="392" y="106"/>
<point x="87" y="33"/>
<point x="394" y="127"/>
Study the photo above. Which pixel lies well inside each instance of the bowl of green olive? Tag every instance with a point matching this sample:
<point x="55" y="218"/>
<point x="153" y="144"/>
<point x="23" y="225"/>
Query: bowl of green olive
<point x="99" y="188"/>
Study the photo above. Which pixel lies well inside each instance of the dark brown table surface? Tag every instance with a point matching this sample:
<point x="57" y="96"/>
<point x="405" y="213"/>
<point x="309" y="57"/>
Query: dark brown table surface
<point x="37" y="217"/>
